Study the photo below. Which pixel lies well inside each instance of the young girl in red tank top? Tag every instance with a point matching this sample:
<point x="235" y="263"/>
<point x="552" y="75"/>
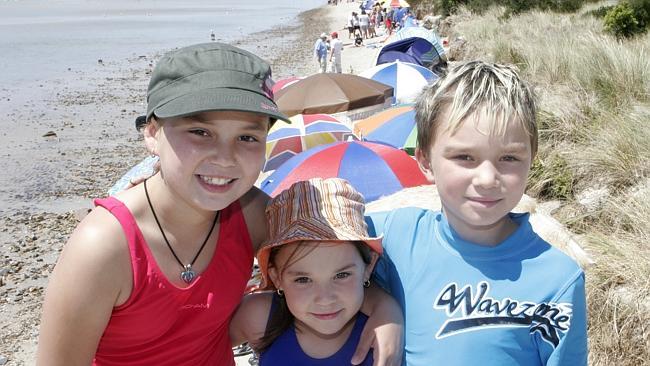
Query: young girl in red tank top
<point x="153" y="275"/>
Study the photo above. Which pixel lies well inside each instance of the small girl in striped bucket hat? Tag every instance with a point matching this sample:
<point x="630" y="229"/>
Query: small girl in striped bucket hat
<point x="318" y="261"/>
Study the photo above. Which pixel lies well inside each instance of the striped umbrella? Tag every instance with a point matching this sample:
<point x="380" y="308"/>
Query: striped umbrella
<point x="374" y="169"/>
<point x="305" y="131"/>
<point x="407" y="79"/>
<point x="394" y="126"/>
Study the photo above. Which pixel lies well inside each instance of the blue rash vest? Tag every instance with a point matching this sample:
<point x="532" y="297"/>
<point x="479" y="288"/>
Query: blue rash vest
<point x="521" y="302"/>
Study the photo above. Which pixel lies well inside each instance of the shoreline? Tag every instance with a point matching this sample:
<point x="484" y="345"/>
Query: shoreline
<point x="92" y="143"/>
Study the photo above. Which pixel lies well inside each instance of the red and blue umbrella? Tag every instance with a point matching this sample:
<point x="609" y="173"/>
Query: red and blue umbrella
<point x="374" y="169"/>
<point x="304" y="132"/>
<point x="407" y="79"/>
<point x="394" y="126"/>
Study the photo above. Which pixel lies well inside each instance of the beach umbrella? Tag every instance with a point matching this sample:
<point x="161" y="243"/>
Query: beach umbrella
<point x="305" y="131"/>
<point x="374" y="169"/>
<point x="407" y="79"/>
<point x="282" y="83"/>
<point x="331" y="93"/>
<point x="394" y="126"/>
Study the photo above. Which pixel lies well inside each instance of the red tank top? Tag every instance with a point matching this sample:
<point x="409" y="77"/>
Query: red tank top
<point x="161" y="324"/>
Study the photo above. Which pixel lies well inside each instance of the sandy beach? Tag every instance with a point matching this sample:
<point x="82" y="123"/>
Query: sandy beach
<point x="72" y="137"/>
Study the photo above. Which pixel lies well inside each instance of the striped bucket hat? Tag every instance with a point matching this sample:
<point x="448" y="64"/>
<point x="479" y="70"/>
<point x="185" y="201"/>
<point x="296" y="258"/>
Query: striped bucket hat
<point x="328" y="210"/>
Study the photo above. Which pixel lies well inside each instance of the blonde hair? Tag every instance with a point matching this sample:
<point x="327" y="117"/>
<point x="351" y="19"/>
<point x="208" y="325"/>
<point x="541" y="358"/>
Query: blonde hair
<point x="474" y="87"/>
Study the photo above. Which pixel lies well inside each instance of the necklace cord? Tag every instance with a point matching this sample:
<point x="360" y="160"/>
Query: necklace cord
<point x="214" y="223"/>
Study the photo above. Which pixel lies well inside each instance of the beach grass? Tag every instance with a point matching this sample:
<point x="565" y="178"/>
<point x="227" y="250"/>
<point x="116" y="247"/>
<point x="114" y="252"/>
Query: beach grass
<point x="594" y="98"/>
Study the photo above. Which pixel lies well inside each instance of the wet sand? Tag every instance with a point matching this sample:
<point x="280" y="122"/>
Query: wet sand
<point x="68" y="140"/>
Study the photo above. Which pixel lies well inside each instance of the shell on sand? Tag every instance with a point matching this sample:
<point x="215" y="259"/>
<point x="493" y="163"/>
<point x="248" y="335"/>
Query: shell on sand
<point x="543" y="223"/>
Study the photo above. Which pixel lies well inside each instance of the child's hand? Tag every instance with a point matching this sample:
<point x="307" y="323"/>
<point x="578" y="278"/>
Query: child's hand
<point x="136" y="175"/>
<point x="385" y="340"/>
<point x="384" y="330"/>
<point x="137" y="180"/>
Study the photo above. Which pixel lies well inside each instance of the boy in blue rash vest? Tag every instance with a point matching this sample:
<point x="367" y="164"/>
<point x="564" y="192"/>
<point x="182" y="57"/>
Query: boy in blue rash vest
<point x="476" y="283"/>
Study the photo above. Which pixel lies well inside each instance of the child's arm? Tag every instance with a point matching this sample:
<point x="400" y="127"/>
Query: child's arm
<point x="93" y="273"/>
<point x="249" y="322"/>
<point x="572" y="346"/>
<point x="383" y="331"/>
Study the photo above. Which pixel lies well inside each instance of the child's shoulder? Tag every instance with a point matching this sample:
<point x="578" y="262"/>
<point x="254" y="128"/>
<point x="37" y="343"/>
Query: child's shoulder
<point x="100" y="232"/>
<point x="554" y="259"/>
<point x="251" y="317"/>
<point x="98" y="251"/>
<point x="541" y="254"/>
<point x="407" y="215"/>
<point x="400" y="222"/>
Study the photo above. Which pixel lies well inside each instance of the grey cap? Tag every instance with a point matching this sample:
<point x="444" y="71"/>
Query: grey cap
<point x="211" y="77"/>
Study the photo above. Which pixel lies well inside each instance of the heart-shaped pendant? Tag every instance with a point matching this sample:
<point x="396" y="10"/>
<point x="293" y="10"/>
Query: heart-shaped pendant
<point x="188" y="275"/>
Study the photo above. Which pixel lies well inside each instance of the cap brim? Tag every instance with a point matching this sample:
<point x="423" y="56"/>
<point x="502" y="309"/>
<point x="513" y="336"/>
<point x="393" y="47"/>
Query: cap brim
<point x="219" y="99"/>
<point x="290" y="236"/>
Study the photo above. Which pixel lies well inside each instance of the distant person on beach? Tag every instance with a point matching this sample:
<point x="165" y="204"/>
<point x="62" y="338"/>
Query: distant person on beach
<point x="388" y="21"/>
<point x="350" y="25"/>
<point x="335" y="55"/>
<point x="320" y="52"/>
<point x="356" y="25"/>
<point x="476" y="283"/>
<point x="373" y="24"/>
<point x="315" y="265"/>
<point x="153" y="275"/>
<point x="364" y="23"/>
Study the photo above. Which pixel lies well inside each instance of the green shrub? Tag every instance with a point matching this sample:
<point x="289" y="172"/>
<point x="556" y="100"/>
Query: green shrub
<point x="621" y="22"/>
<point x="641" y="9"/>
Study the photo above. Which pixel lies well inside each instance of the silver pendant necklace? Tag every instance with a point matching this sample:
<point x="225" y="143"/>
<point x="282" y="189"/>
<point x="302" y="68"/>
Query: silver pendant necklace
<point x="187" y="274"/>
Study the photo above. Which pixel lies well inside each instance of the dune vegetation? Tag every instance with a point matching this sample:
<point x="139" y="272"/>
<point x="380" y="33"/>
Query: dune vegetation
<point x="594" y="96"/>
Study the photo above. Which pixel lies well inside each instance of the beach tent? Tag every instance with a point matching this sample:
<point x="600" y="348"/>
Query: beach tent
<point x="416" y="47"/>
<point x="421" y="32"/>
<point x="392" y="56"/>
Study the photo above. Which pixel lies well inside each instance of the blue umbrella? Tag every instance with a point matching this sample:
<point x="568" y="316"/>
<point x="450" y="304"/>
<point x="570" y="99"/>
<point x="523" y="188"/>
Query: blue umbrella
<point x="407" y="79"/>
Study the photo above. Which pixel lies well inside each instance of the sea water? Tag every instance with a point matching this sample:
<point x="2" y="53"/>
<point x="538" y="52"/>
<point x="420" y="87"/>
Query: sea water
<point x="42" y="39"/>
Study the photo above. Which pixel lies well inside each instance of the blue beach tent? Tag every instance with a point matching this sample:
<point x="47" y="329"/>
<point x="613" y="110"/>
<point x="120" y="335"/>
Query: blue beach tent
<point x="428" y="34"/>
<point x="415" y="50"/>
<point x="392" y="56"/>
